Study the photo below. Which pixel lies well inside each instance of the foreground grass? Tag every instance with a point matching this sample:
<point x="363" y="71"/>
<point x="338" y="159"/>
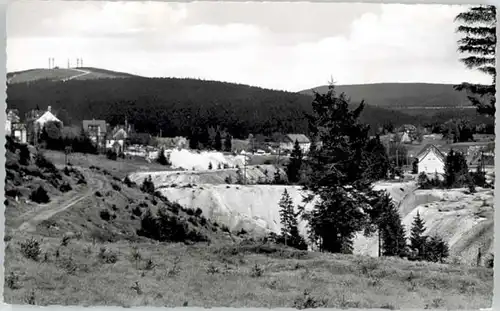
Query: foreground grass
<point x="224" y="275"/>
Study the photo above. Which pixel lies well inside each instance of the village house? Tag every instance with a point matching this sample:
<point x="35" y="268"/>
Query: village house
<point x="115" y="140"/>
<point x="46" y="117"/>
<point x="96" y="131"/>
<point x="431" y="160"/>
<point x="14" y="127"/>
<point x="288" y="142"/>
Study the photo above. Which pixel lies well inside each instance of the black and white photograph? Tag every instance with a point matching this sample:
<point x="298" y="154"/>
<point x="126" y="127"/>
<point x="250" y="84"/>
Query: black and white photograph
<point x="250" y="154"/>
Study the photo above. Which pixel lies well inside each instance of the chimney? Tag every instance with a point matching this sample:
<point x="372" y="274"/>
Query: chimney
<point x="49" y="109"/>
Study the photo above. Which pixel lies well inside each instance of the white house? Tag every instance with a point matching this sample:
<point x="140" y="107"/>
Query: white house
<point x="47" y="116"/>
<point x="288" y="142"/>
<point x="431" y="160"/>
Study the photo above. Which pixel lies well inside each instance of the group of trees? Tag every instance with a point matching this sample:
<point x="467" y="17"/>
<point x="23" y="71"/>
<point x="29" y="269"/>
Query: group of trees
<point x="209" y="138"/>
<point x="51" y="137"/>
<point x="457" y="174"/>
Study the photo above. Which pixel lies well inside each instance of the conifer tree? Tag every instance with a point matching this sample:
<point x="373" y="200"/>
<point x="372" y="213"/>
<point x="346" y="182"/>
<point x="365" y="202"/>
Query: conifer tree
<point x="162" y="159"/>
<point x="295" y="164"/>
<point x="210" y="166"/>
<point x="386" y="218"/>
<point x="289" y="231"/>
<point x="378" y="159"/>
<point x="478" y="26"/>
<point x="227" y="143"/>
<point x="417" y="238"/>
<point x="337" y="173"/>
<point x="456" y="169"/>
<point x="437" y="249"/>
<point x="148" y="185"/>
<point x="218" y="141"/>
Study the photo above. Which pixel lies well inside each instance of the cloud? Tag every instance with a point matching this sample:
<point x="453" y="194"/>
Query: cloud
<point x="281" y="46"/>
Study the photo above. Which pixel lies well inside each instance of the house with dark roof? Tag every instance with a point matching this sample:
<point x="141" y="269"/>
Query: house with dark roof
<point x="96" y="130"/>
<point x="431" y="160"/>
<point x="288" y="142"/>
<point x="116" y="139"/>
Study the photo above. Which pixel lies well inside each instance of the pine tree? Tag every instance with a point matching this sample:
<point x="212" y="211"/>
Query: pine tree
<point x="210" y="166"/>
<point x="337" y="175"/>
<point x="218" y="141"/>
<point x="437" y="249"/>
<point x="289" y="231"/>
<point x="227" y="143"/>
<point x="148" y="185"/>
<point x="456" y="169"/>
<point x="414" y="169"/>
<point x="162" y="159"/>
<point x="417" y="238"/>
<point x="386" y="218"/>
<point x="295" y="164"/>
<point x="378" y="159"/>
<point x="478" y="25"/>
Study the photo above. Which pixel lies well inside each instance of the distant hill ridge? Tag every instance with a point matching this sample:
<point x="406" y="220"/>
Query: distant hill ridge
<point x="179" y="106"/>
<point x="63" y="74"/>
<point x="401" y="95"/>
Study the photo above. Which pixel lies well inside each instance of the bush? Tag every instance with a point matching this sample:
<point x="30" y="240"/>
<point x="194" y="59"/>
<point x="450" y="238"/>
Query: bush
<point x="111" y="154"/>
<point x="39" y="195"/>
<point x="167" y="228"/>
<point x="42" y="162"/>
<point x="105" y="215"/>
<point x="129" y="183"/>
<point x="137" y="211"/>
<point x="31" y="249"/>
<point x="490" y="261"/>
<point x="116" y="187"/>
<point x="65" y="187"/>
<point x="107" y="257"/>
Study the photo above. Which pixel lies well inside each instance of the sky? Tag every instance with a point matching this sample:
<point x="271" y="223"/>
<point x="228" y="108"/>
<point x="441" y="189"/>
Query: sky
<point x="285" y="46"/>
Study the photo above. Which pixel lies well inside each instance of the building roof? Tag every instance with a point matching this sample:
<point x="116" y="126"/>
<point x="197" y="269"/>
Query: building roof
<point x="13" y="115"/>
<point x="428" y="148"/>
<point x="301" y="138"/>
<point x="101" y="123"/>
<point x="47" y="116"/>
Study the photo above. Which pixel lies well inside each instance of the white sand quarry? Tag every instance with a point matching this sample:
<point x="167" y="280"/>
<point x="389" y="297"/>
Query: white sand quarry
<point x="464" y="220"/>
<point x="186" y="159"/>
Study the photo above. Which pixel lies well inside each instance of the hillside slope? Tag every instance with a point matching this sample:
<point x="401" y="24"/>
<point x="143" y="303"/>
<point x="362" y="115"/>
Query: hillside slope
<point x="177" y="106"/>
<point x="402" y="95"/>
<point x="63" y="74"/>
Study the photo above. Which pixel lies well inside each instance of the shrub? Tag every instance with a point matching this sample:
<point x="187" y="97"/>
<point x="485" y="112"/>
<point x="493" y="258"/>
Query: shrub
<point x="307" y="302"/>
<point x="12" y="281"/>
<point x="98" y="194"/>
<point x="39" y="195"/>
<point x="256" y="271"/>
<point x="42" y="162"/>
<point x="31" y="249"/>
<point x="105" y="215"/>
<point x="65" y="187"/>
<point x="198" y="212"/>
<point x="107" y="257"/>
<point x="116" y="187"/>
<point x="190" y="211"/>
<point x="128" y="182"/>
<point x="490" y="261"/>
<point x="137" y="211"/>
<point x="111" y="154"/>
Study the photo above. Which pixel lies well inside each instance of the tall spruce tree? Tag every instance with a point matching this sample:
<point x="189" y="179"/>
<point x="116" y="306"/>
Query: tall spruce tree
<point x="295" y="164"/>
<point x="378" y="159"/>
<point x="386" y="219"/>
<point x="218" y="141"/>
<point x="162" y="159"/>
<point x="478" y="26"/>
<point x="337" y="173"/>
<point x="289" y="230"/>
<point x="227" y="143"/>
<point x="417" y="238"/>
<point x="456" y="169"/>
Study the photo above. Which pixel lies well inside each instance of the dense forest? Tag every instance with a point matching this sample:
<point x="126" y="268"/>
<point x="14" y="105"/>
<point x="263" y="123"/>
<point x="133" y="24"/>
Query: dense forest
<point x="177" y="106"/>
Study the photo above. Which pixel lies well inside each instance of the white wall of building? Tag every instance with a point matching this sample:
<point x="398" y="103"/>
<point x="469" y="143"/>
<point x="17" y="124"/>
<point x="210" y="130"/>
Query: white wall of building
<point x="431" y="163"/>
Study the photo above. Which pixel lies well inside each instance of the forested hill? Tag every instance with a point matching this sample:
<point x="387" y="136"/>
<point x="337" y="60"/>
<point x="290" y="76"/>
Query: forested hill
<point x="401" y="95"/>
<point x="177" y="106"/>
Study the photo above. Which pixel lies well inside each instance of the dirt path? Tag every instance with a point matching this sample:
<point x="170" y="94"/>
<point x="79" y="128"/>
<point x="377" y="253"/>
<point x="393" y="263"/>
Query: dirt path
<point x="81" y="74"/>
<point x="46" y="211"/>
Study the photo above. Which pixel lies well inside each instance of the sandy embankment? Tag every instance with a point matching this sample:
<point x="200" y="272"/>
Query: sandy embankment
<point x="465" y="221"/>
